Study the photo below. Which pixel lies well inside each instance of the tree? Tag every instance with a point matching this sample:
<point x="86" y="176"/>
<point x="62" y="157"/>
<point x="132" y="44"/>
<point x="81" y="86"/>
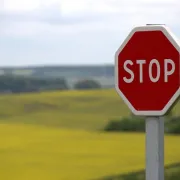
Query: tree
<point x="18" y="84"/>
<point x="87" y="84"/>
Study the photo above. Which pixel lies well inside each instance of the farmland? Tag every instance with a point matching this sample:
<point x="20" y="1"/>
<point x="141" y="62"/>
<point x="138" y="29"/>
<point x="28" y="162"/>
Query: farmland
<point x="56" y="135"/>
<point x="88" y="110"/>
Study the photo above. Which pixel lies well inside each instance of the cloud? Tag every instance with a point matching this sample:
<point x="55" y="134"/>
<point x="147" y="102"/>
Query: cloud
<point x="94" y="14"/>
<point x="85" y="31"/>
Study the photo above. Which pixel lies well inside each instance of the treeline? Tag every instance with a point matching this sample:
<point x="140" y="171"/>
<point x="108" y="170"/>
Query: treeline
<point x="18" y="84"/>
<point x="137" y="124"/>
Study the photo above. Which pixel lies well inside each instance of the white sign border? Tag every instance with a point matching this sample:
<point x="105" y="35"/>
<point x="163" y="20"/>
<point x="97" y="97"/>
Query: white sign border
<point x="175" y="42"/>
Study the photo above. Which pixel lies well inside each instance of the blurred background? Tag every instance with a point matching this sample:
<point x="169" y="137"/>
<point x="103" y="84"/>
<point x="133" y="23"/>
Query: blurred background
<point x="60" y="116"/>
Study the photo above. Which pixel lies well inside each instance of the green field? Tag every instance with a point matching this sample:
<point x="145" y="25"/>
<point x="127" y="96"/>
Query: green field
<point x="88" y="110"/>
<point x="53" y="136"/>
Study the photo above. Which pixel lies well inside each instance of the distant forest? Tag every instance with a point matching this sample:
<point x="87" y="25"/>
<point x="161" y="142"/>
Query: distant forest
<point x="18" y="84"/>
<point x="33" y="79"/>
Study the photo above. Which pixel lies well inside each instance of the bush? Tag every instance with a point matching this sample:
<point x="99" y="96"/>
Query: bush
<point x="134" y="123"/>
<point x="87" y="84"/>
<point x="173" y="125"/>
<point x="127" y="124"/>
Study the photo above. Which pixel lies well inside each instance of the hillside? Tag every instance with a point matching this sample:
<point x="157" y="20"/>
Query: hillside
<point x="90" y="110"/>
<point x="76" y="109"/>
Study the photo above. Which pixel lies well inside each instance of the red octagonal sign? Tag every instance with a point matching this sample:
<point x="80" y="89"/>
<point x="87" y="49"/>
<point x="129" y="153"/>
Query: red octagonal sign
<point x="147" y="70"/>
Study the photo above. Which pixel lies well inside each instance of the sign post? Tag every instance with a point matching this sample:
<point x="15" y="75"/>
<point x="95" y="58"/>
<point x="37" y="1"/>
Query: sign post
<point x="154" y="148"/>
<point x="147" y="78"/>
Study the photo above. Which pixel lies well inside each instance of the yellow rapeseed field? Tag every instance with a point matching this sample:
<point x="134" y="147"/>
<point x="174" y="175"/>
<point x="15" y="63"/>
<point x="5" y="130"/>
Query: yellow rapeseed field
<point x="40" y="153"/>
<point x="53" y="136"/>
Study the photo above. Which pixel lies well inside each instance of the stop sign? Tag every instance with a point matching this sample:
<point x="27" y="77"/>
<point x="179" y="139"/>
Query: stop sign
<point x="147" y="70"/>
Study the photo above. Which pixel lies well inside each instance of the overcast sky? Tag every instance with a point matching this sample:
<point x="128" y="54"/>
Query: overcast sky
<point x="34" y="32"/>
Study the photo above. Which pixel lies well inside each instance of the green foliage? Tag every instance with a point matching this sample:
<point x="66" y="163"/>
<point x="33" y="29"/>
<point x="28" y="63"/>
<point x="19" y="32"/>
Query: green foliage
<point x="18" y="84"/>
<point x="173" y="125"/>
<point x="127" y="124"/>
<point x="137" y="124"/>
<point x="172" y="172"/>
<point x="87" y="84"/>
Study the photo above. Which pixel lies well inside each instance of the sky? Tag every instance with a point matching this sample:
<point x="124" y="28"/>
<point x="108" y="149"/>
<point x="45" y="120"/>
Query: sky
<point x="68" y="32"/>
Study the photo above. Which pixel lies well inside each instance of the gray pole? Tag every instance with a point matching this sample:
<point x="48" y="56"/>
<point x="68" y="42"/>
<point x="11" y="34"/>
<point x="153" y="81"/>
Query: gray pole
<point x="154" y="148"/>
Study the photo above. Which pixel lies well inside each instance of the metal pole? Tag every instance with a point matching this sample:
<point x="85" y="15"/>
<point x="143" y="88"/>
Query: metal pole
<point x="154" y="148"/>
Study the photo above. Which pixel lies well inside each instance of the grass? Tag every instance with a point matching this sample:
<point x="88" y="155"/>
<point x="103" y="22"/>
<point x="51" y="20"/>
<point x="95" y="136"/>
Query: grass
<point x="35" y="152"/>
<point x="172" y="172"/>
<point x="52" y="135"/>
<point x="91" y="110"/>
